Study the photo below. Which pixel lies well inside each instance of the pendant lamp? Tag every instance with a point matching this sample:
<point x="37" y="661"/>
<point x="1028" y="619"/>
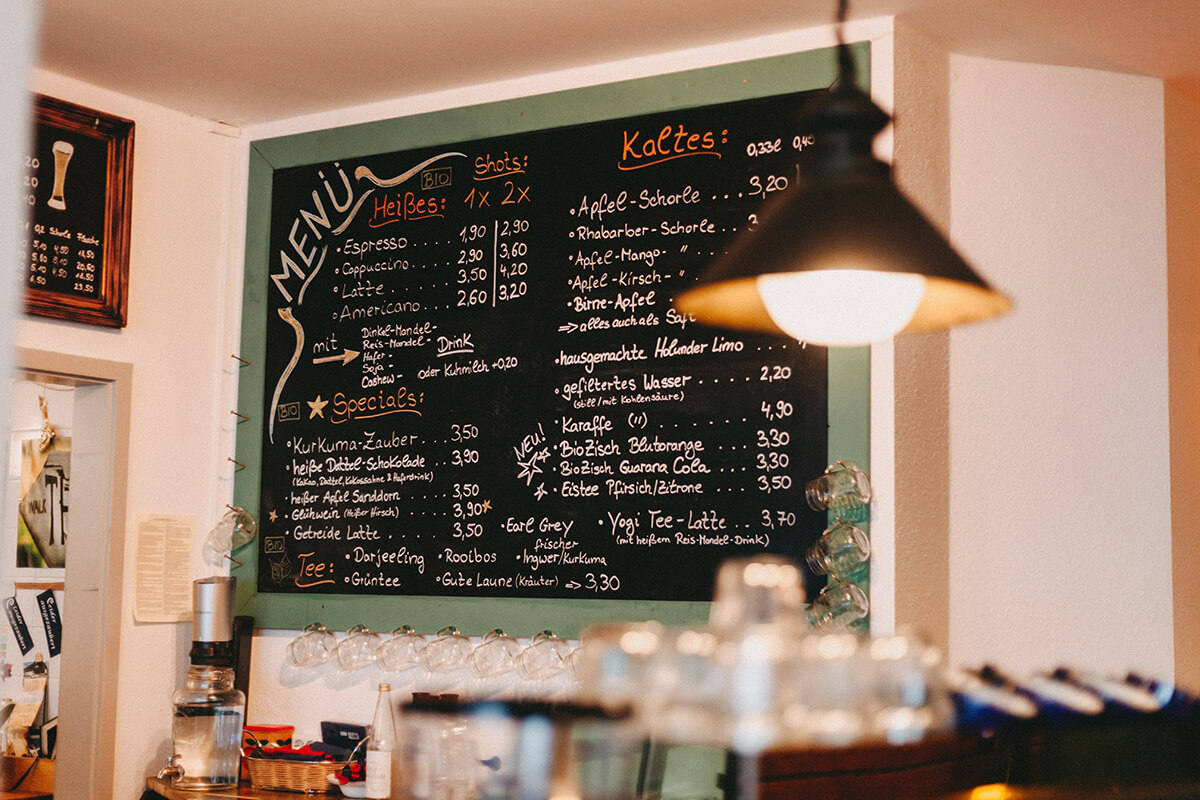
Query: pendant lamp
<point x="843" y="258"/>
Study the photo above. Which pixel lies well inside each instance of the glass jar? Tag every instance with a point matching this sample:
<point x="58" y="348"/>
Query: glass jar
<point x="207" y="729"/>
<point x="842" y="487"/>
<point x="841" y="550"/>
<point x="838" y="605"/>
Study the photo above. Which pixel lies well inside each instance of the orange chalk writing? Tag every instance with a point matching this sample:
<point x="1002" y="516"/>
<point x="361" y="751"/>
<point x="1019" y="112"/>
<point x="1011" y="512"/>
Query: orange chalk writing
<point x="641" y="150"/>
<point x="389" y="208"/>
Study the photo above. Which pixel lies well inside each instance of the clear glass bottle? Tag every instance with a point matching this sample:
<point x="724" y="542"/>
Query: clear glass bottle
<point x="207" y="728"/>
<point x="381" y="749"/>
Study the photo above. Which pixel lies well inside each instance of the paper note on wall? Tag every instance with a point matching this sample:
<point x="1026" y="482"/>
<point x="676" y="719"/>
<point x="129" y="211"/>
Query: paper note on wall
<point x="164" y="568"/>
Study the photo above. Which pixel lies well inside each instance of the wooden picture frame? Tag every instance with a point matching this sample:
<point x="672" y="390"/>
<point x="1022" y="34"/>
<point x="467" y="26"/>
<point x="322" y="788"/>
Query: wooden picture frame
<point x="78" y="186"/>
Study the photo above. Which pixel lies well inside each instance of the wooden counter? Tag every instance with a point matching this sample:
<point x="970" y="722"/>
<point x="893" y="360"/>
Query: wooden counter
<point x="243" y="791"/>
<point x="924" y="769"/>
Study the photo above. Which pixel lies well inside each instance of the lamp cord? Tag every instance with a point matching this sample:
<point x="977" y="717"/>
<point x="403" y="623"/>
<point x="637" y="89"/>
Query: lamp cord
<point x="845" y="60"/>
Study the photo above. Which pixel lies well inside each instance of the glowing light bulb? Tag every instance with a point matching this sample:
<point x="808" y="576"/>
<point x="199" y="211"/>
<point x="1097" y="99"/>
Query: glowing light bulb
<point x="842" y="307"/>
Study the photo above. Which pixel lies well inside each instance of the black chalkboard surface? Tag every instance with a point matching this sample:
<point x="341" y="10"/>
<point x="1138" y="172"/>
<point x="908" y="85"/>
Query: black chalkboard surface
<point x="476" y="384"/>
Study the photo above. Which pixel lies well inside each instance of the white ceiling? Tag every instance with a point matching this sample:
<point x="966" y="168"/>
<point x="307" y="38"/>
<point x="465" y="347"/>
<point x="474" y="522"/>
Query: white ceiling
<point x="251" y="61"/>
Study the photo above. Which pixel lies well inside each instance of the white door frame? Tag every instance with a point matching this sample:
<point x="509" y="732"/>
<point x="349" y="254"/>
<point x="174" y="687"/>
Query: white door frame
<point x="87" y="734"/>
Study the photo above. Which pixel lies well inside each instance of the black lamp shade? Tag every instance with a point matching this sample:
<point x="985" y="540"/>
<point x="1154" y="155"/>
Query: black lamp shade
<point x="845" y="214"/>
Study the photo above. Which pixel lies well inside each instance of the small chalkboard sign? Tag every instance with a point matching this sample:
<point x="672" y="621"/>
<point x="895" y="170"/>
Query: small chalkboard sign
<point x="77" y="184"/>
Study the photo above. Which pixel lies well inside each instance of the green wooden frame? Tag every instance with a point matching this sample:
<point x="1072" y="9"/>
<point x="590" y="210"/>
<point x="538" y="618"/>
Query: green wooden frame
<point x="848" y="368"/>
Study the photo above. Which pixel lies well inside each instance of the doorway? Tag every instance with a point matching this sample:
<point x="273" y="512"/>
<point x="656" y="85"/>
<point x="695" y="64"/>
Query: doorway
<point x="62" y="555"/>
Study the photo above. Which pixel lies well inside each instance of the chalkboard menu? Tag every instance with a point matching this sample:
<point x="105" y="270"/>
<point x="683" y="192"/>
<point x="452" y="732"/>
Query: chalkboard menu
<point x="77" y="187"/>
<point x="476" y="383"/>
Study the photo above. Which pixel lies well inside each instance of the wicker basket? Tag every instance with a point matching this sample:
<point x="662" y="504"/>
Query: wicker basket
<point x="292" y="776"/>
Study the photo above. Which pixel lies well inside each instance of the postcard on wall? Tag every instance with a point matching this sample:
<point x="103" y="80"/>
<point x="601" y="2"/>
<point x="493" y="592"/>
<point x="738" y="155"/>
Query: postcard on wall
<point x="45" y="498"/>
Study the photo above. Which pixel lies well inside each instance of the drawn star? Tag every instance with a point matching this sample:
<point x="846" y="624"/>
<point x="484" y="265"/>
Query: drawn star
<point x="273" y="515"/>
<point x="487" y="506"/>
<point x="318" y="407"/>
<point x="528" y="470"/>
<point x="541" y="491"/>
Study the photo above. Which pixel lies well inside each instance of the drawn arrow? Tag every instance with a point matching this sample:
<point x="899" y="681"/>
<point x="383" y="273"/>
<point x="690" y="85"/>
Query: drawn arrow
<point x="571" y="585"/>
<point x="345" y="357"/>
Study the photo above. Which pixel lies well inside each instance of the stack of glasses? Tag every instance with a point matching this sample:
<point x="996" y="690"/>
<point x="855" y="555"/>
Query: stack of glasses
<point x="757" y="676"/>
<point x="843" y="550"/>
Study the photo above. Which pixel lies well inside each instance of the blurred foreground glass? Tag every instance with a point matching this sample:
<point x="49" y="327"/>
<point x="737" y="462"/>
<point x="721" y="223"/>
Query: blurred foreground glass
<point x="753" y="662"/>
<point x="842" y="548"/>
<point x="519" y="750"/>
<point x="762" y="589"/>
<point x="842" y="486"/>
<point x="403" y="650"/>
<point x="848" y="689"/>
<point x="685" y="699"/>
<point x="912" y="699"/>
<point x="614" y="660"/>
<point x="756" y="616"/>
<point x="829" y="695"/>
<point x="457" y="766"/>
<point x="313" y="647"/>
<point x="359" y="649"/>
<point x="838" y="604"/>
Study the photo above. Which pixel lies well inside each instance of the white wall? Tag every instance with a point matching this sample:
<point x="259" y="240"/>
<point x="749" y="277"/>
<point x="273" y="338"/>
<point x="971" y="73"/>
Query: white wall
<point x="1060" y="498"/>
<point x="919" y="386"/>
<point x="178" y="339"/>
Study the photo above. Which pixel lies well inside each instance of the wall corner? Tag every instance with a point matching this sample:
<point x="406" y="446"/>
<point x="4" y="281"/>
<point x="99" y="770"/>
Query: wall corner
<point x="922" y="376"/>
<point x="1181" y="129"/>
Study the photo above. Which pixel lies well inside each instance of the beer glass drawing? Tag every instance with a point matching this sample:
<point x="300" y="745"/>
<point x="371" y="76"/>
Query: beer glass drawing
<point x="62" y="156"/>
